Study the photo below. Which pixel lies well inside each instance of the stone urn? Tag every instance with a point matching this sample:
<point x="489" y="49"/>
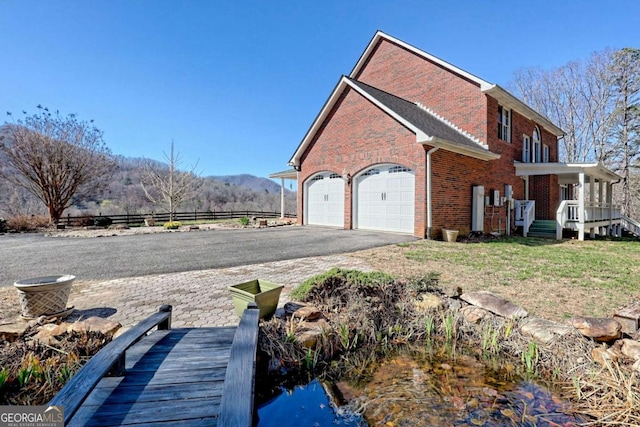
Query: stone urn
<point x="44" y="296"/>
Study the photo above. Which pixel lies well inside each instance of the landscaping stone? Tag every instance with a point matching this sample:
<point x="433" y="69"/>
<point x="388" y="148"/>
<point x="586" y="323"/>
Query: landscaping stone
<point x="629" y="318"/>
<point x="542" y="330"/>
<point x="308" y="312"/>
<point x="292" y="306"/>
<point x="11" y="331"/>
<point x="495" y="304"/>
<point x="630" y="348"/>
<point x="94" y="324"/>
<point x="428" y="302"/>
<point x="600" y="329"/>
<point x="309" y="332"/>
<point x="473" y="314"/>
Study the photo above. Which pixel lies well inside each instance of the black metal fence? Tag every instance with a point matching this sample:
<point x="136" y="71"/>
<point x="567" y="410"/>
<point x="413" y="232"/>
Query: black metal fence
<point x="134" y="219"/>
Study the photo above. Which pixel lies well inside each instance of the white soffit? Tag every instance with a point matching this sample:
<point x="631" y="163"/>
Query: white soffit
<point x="573" y="170"/>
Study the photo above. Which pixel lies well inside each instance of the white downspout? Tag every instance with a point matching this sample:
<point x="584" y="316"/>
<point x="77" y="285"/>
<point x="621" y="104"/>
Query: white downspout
<point x="429" y="221"/>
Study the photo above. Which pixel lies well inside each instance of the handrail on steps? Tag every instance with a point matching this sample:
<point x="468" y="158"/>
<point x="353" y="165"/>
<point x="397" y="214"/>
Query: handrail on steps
<point x="630" y="225"/>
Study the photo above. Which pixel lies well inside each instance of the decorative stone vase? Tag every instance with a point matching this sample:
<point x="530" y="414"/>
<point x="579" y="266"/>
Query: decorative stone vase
<point x="449" y="235"/>
<point x="44" y="295"/>
<point x="265" y="294"/>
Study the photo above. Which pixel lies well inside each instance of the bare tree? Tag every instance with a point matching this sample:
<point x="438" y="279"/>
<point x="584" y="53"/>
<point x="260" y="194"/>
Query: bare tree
<point x="166" y="185"/>
<point x="626" y="132"/>
<point x="578" y="98"/>
<point x="55" y="158"/>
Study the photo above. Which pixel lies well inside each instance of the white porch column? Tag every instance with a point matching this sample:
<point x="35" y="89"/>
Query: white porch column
<point x="592" y="199"/>
<point x="610" y="230"/>
<point x="282" y="198"/>
<point x="581" y="184"/>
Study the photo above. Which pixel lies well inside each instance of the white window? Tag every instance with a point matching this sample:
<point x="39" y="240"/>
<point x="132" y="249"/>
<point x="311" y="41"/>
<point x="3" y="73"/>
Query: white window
<point x="536" y="149"/>
<point x="526" y="149"/>
<point x="504" y="124"/>
<point x="545" y="153"/>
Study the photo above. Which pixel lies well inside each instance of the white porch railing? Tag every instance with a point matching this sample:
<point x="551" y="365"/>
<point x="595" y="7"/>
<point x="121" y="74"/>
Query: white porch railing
<point x="630" y="225"/>
<point x="525" y="212"/>
<point x="595" y="215"/>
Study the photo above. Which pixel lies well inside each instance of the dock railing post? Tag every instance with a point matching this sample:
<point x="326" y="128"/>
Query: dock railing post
<point x="166" y="324"/>
<point x="236" y="406"/>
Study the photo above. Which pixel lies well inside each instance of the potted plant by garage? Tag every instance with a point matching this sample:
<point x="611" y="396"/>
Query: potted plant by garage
<point x="449" y="235"/>
<point x="264" y="293"/>
<point x="44" y="296"/>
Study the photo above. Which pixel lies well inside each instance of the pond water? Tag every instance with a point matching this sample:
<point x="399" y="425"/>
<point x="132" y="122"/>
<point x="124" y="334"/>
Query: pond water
<point x="306" y="405"/>
<point x="413" y="390"/>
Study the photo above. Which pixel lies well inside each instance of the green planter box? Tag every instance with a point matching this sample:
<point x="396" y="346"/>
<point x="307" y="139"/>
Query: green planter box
<point x="265" y="294"/>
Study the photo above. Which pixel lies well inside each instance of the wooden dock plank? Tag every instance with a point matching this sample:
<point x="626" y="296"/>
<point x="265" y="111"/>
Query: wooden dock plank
<point x="176" y="375"/>
<point x="149" y="412"/>
<point x="154" y="393"/>
<point x="168" y="378"/>
<point x="179" y="378"/>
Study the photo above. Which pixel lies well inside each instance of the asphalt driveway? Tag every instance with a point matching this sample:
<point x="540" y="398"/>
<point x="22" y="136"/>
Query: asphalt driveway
<point x="103" y="258"/>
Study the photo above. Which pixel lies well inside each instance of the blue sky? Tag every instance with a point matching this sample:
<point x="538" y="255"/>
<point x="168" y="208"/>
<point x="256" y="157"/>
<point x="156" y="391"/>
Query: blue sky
<point x="236" y="84"/>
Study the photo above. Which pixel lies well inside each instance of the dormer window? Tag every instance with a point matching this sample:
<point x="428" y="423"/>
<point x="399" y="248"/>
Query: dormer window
<point x="504" y="124"/>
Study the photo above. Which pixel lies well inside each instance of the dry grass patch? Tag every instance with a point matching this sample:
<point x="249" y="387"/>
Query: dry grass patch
<point x="550" y="279"/>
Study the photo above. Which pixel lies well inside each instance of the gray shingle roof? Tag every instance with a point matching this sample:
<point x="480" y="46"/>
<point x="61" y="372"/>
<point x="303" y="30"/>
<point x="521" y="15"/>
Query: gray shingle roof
<point x="420" y="117"/>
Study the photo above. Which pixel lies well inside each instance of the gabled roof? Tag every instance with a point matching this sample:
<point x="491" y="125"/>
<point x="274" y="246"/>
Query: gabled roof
<point x="429" y="128"/>
<point x="501" y="95"/>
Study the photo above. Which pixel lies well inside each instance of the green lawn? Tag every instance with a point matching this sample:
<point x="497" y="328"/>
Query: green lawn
<point x="553" y="279"/>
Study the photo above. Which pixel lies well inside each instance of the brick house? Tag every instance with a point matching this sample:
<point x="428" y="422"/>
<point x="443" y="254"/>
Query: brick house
<point x="410" y="143"/>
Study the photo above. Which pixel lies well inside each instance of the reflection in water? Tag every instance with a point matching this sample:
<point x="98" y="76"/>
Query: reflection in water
<point x="405" y="391"/>
<point x="305" y="405"/>
<point x="421" y="390"/>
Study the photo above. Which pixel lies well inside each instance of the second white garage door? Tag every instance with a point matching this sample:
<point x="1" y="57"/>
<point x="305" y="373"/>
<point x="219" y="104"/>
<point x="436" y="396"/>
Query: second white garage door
<point x="325" y="200"/>
<point x="385" y="199"/>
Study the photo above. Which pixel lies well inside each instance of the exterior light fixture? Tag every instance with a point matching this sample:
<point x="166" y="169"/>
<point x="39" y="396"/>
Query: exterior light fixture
<point x="346" y="176"/>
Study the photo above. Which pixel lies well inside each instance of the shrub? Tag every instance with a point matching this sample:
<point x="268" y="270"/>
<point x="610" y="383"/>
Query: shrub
<point x="172" y="225"/>
<point x="102" y="221"/>
<point x="3" y="225"/>
<point x="244" y="221"/>
<point x="23" y="223"/>
<point x="337" y="278"/>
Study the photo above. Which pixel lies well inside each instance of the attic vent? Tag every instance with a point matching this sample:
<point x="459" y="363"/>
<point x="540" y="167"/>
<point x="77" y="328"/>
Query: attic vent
<point x="334" y="176"/>
<point x="317" y="178"/>
<point x="372" y="172"/>
<point x="398" y="169"/>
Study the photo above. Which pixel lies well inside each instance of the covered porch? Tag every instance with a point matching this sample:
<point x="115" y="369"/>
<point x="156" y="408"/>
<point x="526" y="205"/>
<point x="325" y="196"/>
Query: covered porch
<point x="291" y="174"/>
<point x="585" y="209"/>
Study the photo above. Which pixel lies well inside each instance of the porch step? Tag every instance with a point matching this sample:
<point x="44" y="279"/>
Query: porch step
<point x="543" y="228"/>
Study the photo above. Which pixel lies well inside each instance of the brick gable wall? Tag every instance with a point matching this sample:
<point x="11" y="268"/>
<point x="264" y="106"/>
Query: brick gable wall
<point x="396" y="70"/>
<point x="355" y="136"/>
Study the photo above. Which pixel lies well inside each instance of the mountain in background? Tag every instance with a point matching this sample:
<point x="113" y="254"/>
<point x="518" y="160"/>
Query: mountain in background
<point x="251" y="182"/>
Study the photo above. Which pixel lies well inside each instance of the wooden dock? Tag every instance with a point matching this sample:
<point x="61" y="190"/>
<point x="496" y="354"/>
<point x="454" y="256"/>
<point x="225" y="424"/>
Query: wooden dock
<point x="172" y="377"/>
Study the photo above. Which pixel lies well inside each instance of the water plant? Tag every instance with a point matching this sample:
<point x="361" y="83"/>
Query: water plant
<point x="530" y="359"/>
<point x="429" y="325"/>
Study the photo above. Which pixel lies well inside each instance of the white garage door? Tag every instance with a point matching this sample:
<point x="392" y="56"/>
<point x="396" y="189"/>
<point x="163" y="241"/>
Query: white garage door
<point x="325" y="200"/>
<point x="385" y="199"/>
